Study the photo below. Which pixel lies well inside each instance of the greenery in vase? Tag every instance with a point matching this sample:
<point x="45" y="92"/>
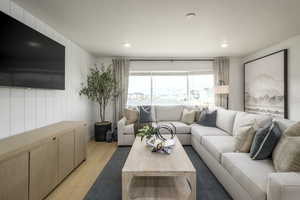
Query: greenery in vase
<point x="101" y="87"/>
<point x="147" y="131"/>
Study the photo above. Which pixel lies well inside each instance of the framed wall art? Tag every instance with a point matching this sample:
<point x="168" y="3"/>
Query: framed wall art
<point x="265" y="90"/>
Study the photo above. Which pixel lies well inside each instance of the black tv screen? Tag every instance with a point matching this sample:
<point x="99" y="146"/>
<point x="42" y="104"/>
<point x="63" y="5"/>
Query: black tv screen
<point x="28" y="58"/>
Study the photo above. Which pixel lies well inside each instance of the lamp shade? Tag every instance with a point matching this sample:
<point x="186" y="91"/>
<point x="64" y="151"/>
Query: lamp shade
<point x="222" y="89"/>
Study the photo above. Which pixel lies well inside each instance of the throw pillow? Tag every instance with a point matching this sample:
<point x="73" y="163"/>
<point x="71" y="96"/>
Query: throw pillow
<point x="207" y="118"/>
<point x="188" y="116"/>
<point x="244" y="137"/>
<point x="265" y="141"/>
<point x="145" y="114"/>
<point x="131" y="115"/>
<point x="286" y="155"/>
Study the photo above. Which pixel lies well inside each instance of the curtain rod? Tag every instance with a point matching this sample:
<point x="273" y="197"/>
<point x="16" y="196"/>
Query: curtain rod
<point x="171" y="60"/>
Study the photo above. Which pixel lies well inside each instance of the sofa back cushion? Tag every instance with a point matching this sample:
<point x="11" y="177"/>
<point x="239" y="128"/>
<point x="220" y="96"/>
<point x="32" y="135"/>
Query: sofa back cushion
<point x="225" y="119"/>
<point x="168" y="113"/>
<point x="242" y="118"/>
<point x="284" y="123"/>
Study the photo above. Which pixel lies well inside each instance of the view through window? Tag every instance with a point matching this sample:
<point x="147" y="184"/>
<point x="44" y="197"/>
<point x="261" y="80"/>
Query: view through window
<point x="170" y="89"/>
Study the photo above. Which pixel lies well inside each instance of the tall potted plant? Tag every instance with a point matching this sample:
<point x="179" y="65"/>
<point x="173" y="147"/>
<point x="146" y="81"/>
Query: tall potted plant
<point x="100" y="88"/>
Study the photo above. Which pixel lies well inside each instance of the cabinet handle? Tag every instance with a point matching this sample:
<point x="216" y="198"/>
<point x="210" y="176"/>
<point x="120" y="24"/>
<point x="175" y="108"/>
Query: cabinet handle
<point x="54" y="138"/>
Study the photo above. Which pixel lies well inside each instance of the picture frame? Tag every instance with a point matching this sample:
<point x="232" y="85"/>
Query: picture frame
<point x="266" y="85"/>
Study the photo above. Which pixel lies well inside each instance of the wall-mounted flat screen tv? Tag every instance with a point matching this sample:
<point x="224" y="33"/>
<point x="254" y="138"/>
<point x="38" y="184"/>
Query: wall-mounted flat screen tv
<point x="28" y="58"/>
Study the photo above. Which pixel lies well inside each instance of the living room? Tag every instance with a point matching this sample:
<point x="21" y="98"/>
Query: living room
<point x="127" y="99"/>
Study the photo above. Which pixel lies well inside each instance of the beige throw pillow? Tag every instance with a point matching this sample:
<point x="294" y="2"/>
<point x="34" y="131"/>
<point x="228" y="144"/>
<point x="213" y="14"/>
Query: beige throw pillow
<point x="244" y="136"/>
<point x="286" y="155"/>
<point x="188" y="116"/>
<point x="131" y="115"/>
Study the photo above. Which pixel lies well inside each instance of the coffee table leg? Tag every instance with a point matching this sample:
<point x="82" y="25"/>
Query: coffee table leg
<point x="193" y="181"/>
<point x="126" y="179"/>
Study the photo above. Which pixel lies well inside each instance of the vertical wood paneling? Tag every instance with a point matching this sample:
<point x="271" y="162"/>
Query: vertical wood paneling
<point x="50" y="106"/>
<point x="26" y="109"/>
<point x="30" y="109"/>
<point x="41" y="108"/>
<point x="5" y="112"/>
<point x="17" y="112"/>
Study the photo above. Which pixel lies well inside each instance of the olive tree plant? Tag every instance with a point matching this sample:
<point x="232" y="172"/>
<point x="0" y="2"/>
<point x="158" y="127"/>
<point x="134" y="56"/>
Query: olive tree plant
<point x="101" y="87"/>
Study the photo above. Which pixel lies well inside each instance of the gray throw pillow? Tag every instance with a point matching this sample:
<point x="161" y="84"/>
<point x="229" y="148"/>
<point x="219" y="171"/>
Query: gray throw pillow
<point x="145" y="113"/>
<point x="265" y="141"/>
<point x="207" y="118"/>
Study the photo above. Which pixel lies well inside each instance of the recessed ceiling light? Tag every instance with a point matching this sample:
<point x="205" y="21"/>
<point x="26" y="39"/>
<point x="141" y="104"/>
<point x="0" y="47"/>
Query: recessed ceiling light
<point x="190" y="15"/>
<point x="224" y="45"/>
<point x="126" y="44"/>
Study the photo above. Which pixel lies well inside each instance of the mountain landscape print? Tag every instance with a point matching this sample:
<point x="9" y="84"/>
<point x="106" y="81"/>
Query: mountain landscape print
<point x="265" y="85"/>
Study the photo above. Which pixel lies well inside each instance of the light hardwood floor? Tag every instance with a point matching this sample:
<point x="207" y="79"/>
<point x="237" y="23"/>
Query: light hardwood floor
<point x="78" y="183"/>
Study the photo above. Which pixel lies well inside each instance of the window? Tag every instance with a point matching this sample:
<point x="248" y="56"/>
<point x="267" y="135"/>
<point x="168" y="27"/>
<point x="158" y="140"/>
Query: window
<point x="201" y="88"/>
<point x="139" y="90"/>
<point x="168" y="88"/>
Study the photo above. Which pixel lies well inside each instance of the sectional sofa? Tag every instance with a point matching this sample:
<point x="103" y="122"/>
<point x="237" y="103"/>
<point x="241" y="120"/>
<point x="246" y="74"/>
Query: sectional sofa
<point x="242" y="177"/>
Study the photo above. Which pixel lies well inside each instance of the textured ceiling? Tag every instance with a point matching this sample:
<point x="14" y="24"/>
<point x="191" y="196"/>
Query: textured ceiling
<point x="159" y="28"/>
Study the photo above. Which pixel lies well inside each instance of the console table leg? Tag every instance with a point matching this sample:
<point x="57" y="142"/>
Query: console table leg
<point x="126" y="179"/>
<point x="193" y="181"/>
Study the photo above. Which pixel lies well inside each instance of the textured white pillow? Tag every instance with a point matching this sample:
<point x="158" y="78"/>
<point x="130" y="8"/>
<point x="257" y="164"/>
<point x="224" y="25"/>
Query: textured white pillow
<point x="131" y="115"/>
<point x="188" y="116"/>
<point x="244" y="136"/>
<point x="286" y="155"/>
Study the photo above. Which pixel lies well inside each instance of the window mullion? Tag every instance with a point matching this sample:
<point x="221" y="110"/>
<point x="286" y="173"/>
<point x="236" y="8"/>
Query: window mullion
<point x="188" y="88"/>
<point x="151" y="92"/>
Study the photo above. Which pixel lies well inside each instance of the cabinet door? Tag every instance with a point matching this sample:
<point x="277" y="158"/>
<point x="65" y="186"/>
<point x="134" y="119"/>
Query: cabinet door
<point x="81" y="134"/>
<point x="66" y="145"/>
<point x="14" y="178"/>
<point x="43" y="169"/>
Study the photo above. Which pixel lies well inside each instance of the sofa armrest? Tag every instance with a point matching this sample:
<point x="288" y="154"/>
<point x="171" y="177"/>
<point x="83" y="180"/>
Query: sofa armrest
<point x="125" y="130"/>
<point x="122" y="122"/>
<point x="283" y="186"/>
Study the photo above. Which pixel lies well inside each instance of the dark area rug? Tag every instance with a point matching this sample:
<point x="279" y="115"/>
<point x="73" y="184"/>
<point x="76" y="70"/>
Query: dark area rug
<point x="108" y="184"/>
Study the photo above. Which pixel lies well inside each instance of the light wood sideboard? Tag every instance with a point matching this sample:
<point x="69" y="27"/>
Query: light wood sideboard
<point x="33" y="163"/>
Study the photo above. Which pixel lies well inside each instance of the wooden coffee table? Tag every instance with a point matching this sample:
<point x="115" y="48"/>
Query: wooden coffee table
<point x="148" y="175"/>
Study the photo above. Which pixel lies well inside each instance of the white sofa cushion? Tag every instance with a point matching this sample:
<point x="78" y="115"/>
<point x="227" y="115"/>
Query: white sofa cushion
<point x="284" y="186"/>
<point x="199" y="131"/>
<point x="252" y="175"/>
<point x="181" y="128"/>
<point x="225" y="119"/>
<point x="284" y="123"/>
<point x="243" y="118"/>
<point x="216" y="145"/>
<point x="168" y="113"/>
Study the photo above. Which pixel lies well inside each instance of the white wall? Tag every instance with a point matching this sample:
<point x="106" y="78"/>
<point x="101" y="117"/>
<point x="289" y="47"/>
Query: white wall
<point x="293" y="46"/>
<point x="236" y="85"/>
<point x="23" y="109"/>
